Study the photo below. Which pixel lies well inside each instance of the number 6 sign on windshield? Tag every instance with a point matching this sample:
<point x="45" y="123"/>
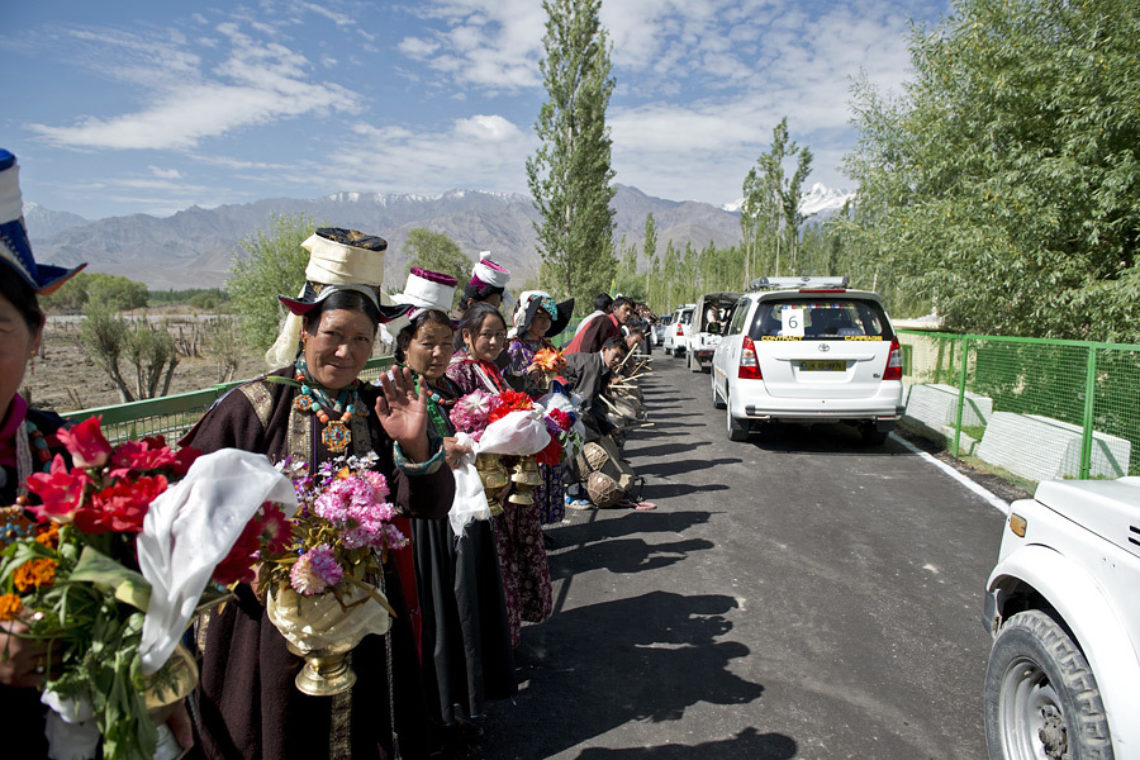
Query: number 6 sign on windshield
<point x="793" y="319"/>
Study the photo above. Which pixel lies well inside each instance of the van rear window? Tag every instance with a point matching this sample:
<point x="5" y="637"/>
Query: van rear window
<point x="819" y="319"/>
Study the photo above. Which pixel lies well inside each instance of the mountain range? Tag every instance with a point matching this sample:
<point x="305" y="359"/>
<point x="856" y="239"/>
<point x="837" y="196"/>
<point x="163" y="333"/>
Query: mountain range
<point x="195" y="248"/>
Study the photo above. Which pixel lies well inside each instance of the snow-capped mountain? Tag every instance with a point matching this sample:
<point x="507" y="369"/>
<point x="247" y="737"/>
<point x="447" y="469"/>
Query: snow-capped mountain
<point x="818" y="203"/>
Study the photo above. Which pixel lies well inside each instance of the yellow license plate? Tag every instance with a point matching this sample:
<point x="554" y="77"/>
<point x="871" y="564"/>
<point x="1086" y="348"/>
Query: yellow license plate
<point x="816" y="365"/>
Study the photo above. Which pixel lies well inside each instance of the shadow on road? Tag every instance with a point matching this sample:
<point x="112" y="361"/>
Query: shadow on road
<point x="830" y="438"/>
<point x="662" y="450"/>
<point x="747" y="745"/>
<point x="674" y="467"/>
<point x="666" y="490"/>
<point x="623" y="555"/>
<point x="628" y="524"/>
<point x="594" y="668"/>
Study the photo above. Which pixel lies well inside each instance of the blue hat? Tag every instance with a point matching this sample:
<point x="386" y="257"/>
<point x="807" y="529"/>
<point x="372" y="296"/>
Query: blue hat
<point x="15" y="250"/>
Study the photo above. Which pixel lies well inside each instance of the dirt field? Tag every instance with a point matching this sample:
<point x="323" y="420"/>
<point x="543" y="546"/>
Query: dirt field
<point x="63" y="378"/>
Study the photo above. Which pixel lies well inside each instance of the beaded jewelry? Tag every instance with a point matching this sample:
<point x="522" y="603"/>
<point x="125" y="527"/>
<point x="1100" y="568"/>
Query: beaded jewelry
<point x="336" y="434"/>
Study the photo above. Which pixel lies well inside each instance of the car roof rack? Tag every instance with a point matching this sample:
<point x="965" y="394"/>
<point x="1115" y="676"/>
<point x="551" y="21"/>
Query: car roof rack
<point x="797" y="283"/>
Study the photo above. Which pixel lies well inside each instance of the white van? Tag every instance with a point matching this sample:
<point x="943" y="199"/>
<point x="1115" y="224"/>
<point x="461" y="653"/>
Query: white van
<point x="809" y="350"/>
<point x="677" y="335"/>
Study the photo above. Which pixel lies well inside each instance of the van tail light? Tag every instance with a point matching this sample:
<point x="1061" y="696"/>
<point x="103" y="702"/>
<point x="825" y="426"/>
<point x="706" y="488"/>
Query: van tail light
<point x="894" y="362"/>
<point x="680" y="330"/>
<point x="749" y="366"/>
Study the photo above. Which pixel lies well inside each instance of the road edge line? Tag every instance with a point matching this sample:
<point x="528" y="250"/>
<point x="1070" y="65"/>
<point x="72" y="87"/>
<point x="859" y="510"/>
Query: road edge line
<point x="994" y="500"/>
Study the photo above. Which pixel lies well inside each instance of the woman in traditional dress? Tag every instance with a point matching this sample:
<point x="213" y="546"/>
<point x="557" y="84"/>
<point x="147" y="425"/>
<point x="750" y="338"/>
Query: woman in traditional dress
<point x="314" y="410"/>
<point x="27" y="444"/>
<point x="466" y="644"/>
<point x="537" y="319"/>
<point x="518" y="531"/>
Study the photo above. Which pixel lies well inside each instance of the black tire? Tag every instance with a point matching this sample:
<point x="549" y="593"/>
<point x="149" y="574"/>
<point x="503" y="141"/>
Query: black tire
<point x="737" y="430"/>
<point x="717" y="403"/>
<point x="872" y="436"/>
<point x="1041" y="699"/>
<point x="668" y="352"/>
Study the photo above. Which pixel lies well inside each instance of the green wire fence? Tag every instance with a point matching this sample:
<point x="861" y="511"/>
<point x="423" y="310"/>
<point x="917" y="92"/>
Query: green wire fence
<point x="1076" y="390"/>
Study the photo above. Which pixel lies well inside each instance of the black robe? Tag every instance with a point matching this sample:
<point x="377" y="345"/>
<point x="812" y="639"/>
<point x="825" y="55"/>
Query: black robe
<point x="247" y="705"/>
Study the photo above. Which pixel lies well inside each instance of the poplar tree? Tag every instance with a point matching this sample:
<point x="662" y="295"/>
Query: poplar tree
<point x="569" y="176"/>
<point x="771" y="211"/>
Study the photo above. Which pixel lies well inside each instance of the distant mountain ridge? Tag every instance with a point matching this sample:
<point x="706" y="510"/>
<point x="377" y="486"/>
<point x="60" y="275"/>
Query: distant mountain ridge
<point x="196" y="247"/>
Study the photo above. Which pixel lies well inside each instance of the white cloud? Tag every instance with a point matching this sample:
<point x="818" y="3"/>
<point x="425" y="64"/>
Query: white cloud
<point x="482" y="151"/>
<point x="258" y="83"/>
<point x="165" y="173"/>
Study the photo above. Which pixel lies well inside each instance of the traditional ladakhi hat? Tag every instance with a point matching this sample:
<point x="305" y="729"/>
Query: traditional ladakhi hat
<point x="339" y="260"/>
<point x="15" y="248"/>
<point x="530" y="301"/>
<point x="487" y="273"/>
<point x="424" y="290"/>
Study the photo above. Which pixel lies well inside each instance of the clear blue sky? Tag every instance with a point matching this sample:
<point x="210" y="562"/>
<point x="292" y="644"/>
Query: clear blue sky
<point x="149" y="107"/>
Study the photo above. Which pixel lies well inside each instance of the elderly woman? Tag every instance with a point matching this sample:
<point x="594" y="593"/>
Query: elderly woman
<point x="27" y="444"/>
<point x="518" y="532"/>
<point x="537" y="319"/>
<point x="466" y="643"/>
<point x="314" y="410"/>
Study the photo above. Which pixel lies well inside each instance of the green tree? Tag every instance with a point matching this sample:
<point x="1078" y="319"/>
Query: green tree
<point x="772" y="199"/>
<point x="268" y="265"/>
<point x="569" y="176"/>
<point x="1004" y="182"/>
<point x="436" y="252"/>
<point x="138" y="357"/>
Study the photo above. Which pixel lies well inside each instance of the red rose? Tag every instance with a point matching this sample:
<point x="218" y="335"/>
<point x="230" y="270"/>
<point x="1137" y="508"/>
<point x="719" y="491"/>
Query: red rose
<point x="560" y="417"/>
<point x="510" y="401"/>
<point x="85" y="441"/>
<point x="237" y="567"/>
<point x="147" y="454"/>
<point x="61" y="491"/>
<point x="552" y="454"/>
<point x="121" y="506"/>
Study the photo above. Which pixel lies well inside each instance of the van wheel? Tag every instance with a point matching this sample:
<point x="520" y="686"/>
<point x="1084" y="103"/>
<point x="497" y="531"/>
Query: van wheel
<point x="737" y="430"/>
<point x="717" y="403"/>
<point x="872" y="436"/>
<point x="1041" y="699"/>
<point x="668" y="352"/>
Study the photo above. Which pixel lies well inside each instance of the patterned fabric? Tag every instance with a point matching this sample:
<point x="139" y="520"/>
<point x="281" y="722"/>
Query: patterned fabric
<point x="549" y="496"/>
<point x="518" y="530"/>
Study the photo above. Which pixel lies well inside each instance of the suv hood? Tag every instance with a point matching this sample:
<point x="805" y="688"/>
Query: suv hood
<point x="1108" y="508"/>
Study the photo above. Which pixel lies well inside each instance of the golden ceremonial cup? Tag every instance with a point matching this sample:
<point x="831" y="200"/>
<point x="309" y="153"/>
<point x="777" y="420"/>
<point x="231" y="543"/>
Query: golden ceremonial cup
<point x="494" y="476"/>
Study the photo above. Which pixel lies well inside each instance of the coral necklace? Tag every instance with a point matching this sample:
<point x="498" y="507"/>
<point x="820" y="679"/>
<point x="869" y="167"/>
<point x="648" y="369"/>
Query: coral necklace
<point x="336" y="434"/>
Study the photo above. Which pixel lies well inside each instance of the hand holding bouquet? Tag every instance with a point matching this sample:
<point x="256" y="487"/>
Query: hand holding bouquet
<point x="111" y="570"/>
<point x="316" y="579"/>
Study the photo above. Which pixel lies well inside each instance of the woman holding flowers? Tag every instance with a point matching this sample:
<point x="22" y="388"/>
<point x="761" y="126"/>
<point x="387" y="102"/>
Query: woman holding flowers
<point x="466" y="642"/>
<point x="315" y="410"/>
<point x="518" y="530"/>
<point x="27" y="445"/>
<point x="538" y="319"/>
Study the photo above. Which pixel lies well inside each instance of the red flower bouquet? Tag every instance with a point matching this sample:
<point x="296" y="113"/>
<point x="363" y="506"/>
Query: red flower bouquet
<point x="109" y="571"/>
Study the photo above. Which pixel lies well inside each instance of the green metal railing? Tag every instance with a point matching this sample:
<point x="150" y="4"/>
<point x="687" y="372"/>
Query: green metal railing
<point x="171" y="416"/>
<point x="1095" y="386"/>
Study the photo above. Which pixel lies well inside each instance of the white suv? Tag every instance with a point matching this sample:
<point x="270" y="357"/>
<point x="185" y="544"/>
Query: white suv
<point x="1063" y="607"/>
<point x="677" y="334"/>
<point x="801" y="349"/>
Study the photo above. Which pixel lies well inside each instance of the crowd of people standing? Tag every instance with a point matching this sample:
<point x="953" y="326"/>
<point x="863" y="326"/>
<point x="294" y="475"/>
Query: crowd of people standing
<point x="460" y="595"/>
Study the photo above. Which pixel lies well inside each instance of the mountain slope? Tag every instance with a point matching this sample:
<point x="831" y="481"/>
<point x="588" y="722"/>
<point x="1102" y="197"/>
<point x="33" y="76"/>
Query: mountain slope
<point x="196" y="247"/>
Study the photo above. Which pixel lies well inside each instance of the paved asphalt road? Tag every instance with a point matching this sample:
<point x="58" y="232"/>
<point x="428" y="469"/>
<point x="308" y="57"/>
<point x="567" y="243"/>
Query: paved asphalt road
<point x="797" y="596"/>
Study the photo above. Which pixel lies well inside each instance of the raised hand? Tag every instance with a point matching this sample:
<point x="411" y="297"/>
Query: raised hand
<point x="403" y="412"/>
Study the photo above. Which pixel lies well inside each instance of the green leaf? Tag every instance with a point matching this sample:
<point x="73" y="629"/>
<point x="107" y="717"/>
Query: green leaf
<point x="129" y="585"/>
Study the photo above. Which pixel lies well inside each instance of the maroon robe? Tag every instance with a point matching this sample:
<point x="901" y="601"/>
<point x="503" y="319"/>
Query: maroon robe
<point x="247" y="705"/>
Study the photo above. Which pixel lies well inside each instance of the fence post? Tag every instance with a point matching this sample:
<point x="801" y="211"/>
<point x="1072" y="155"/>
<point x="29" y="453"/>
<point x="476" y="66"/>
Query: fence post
<point x="961" y="394"/>
<point x="1087" y="422"/>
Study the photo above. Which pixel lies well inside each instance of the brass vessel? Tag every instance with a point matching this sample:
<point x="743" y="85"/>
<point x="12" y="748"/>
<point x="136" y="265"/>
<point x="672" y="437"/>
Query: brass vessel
<point x="494" y="476"/>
